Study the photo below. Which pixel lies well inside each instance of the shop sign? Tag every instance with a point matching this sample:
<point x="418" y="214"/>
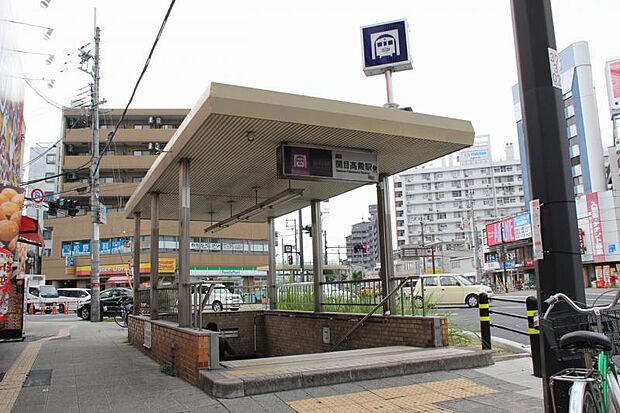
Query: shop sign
<point x="596" y="228"/>
<point x="166" y="266"/>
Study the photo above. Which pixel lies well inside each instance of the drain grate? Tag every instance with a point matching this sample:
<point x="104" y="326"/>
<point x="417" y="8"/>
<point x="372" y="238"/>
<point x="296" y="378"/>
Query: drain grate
<point x="38" y="378"/>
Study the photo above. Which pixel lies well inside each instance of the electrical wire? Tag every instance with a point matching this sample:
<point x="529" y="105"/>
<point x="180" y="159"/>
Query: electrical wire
<point x="135" y="89"/>
<point x="42" y="96"/>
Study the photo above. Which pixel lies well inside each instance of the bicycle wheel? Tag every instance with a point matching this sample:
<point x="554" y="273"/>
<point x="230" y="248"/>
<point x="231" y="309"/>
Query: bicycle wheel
<point x="585" y="398"/>
<point x="613" y="391"/>
<point x="120" y="317"/>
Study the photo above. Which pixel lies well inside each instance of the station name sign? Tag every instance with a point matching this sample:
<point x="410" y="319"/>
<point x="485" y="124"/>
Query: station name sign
<point x="319" y="163"/>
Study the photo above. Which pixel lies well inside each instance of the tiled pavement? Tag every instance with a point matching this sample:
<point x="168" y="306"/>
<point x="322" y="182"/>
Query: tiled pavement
<point x="96" y="370"/>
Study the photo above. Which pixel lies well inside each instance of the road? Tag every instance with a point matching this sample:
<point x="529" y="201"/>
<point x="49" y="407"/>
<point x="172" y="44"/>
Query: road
<point x="467" y="318"/>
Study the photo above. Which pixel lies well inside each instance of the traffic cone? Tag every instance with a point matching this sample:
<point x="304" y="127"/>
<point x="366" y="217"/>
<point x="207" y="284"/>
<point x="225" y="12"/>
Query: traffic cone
<point x="66" y="308"/>
<point x="31" y="309"/>
<point x="54" y="308"/>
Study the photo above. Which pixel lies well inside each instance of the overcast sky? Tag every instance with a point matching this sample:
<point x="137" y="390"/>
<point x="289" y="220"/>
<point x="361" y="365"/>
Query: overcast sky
<point x="463" y="58"/>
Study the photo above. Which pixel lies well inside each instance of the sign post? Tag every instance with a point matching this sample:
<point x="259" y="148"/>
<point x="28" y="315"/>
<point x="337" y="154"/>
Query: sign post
<point x="385" y="49"/>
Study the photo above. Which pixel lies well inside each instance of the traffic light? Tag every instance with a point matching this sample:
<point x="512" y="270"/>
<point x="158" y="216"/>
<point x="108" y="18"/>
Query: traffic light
<point x="308" y="229"/>
<point x="364" y="247"/>
<point x="357" y="248"/>
<point x="70" y="205"/>
<point x="290" y="260"/>
<point x="51" y="208"/>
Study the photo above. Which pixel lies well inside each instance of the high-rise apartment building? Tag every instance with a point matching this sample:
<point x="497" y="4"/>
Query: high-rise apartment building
<point x="583" y="130"/>
<point x="232" y="257"/>
<point x="440" y="203"/>
<point x="365" y="235"/>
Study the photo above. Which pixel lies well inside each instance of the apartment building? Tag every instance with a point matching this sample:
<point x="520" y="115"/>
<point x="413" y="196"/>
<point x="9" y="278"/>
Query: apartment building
<point x="449" y="203"/>
<point x="233" y="257"/>
<point x="582" y="123"/>
<point x="364" y="233"/>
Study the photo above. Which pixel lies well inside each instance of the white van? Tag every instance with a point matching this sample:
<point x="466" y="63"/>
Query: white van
<point x="220" y="299"/>
<point x="43" y="297"/>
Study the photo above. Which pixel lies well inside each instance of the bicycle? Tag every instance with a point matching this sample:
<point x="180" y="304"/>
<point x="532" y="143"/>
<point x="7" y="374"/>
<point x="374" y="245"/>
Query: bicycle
<point x="125" y="308"/>
<point x="595" y="332"/>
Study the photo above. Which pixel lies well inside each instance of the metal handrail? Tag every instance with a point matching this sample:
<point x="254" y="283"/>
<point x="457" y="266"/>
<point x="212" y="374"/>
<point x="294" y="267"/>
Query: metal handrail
<point x="375" y="308"/>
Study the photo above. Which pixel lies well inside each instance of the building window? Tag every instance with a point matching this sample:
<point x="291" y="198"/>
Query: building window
<point x="136" y="179"/>
<point x="50" y="158"/>
<point x="570" y="111"/>
<point x="441" y="215"/>
<point x="484" y="171"/>
<point x="426" y="176"/>
<point x="487" y="202"/>
<point x="47" y="234"/>
<point x="438" y="175"/>
<point x="456" y="194"/>
<point x="455" y="174"/>
<point x="106" y="179"/>
<point x="47" y="252"/>
<point x="49" y="176"/>
<point x="141" y="153"/>
<point x="572" y="130"/>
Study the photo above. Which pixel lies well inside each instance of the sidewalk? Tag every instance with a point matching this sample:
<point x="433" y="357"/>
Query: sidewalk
<point x="95" y="370"/>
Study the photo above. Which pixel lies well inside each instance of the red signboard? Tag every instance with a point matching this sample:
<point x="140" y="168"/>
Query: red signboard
<point x="500" y="232"/>
<point x="596" y="229"/>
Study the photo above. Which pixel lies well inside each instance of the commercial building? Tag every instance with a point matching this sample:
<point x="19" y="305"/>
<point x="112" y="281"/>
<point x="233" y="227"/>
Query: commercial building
<point x="583" y="130"/>
<point x="448" y="204"/>
<point x="233" y="256"/>
<point x="363" y="243"/>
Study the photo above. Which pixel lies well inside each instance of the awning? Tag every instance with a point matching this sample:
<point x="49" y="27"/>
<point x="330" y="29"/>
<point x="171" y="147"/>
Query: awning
<point x="30" y="232"/>
<point x="120" y="279"/>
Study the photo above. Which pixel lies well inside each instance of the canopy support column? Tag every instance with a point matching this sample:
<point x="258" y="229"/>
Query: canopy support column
<point x="271" y="275"/>
<point x="317" y="250"/>
<point x="136" y="260"/>
<point x="154" y="253"/>
<point x="185" y="311"/>
<point x="385" y="241"/>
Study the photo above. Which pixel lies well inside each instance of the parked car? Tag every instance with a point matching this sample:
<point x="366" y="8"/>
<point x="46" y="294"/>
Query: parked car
<point x="220" y="298"/>
<point x="109" y="301"/>
<point x="43" y="296"/>
<point x="74" y="297"/>
<point x="450" y="289"/>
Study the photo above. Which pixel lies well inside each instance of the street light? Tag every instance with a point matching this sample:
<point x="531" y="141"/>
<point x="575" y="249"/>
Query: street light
<point x="46" y="35"/>
<point x="45" y="3"/>
<point x="49" y="60"/>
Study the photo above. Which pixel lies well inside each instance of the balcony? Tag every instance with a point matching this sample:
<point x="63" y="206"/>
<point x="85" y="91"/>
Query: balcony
<point x="83" y="135"/>
<point x="121" y="162"/>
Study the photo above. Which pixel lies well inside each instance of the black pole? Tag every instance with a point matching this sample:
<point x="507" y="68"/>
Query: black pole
<point x="531" y="308"/>
<point x="485" y="321"/>
<point x="548" y="163"/>
<point x="505" y="286"/>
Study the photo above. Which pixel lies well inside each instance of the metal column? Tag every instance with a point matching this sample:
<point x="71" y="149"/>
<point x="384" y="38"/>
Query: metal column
<point x="385" y="242"/>
<point x="301" y="247"/>
<point x="154" y="253"/>
<point x="136" y="262"/>
<point x="549" y="168"/>
<point x="317" y="250"/>
<point x="185" y="311"/>
<point x="271" y="274"/>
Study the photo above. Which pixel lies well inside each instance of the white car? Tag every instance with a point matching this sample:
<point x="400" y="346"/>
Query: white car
<point x="220" y="299"/>
<point x="74" y="297"/>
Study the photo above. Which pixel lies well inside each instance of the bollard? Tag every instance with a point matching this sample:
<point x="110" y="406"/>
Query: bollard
<point x="485" y="321"/>
<point x="531" y="306"/>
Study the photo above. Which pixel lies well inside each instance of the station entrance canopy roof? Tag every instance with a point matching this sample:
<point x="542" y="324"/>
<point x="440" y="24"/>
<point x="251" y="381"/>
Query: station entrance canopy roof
<point x="232" y="136"/>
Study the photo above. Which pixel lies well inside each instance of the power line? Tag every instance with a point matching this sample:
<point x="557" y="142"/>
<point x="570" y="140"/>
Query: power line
<point x="146" y="65"/>
<point x="42" y="96"/>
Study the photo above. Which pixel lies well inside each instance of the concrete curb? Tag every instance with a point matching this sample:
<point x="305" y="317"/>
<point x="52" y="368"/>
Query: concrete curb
<point x="216" y="384"/>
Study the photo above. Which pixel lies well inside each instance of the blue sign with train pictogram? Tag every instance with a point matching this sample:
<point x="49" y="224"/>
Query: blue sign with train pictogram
<point x="385" y="46"/>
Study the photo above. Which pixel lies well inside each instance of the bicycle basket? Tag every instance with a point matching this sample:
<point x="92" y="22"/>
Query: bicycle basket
<point x="561" y="323"/>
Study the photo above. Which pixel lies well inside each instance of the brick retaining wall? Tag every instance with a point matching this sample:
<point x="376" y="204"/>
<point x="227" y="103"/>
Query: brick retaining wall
<point x="190" y="351"/>
<point x="279" y="333"/>
<point x="297" y="332"/>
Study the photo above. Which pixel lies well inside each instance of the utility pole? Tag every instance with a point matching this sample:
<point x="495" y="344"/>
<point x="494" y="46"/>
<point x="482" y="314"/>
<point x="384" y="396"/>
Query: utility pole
<point x="474" y="233"/>
<point x="424" y="256"/>
<point x="325" y="245"/>
<point x="550" y="179"/>
<point x="94" y="189"/>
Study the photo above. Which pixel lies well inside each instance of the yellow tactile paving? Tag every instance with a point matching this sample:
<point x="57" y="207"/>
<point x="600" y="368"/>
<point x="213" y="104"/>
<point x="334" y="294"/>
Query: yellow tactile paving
<point x="417" y="398"/>
<point x="11" y="384"/>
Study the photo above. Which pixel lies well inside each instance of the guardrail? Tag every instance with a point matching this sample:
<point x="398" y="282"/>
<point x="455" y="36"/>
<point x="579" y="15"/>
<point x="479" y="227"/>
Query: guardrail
<point x="531" y="315"/>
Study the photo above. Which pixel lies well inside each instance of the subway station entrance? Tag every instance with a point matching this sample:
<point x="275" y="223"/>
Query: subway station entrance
<point x="248" y="155"/>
